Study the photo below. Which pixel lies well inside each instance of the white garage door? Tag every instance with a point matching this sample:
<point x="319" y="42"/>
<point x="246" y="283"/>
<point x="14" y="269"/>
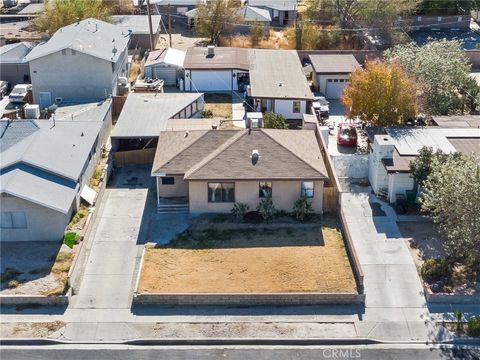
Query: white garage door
<point x="211" y="80"/>
<point x="335" y="88"/>
<point x="167" y="74"/>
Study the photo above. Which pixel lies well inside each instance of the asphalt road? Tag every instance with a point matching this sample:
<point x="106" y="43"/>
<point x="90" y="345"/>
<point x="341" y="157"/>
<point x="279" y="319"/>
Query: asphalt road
<point x="238" y="353"/>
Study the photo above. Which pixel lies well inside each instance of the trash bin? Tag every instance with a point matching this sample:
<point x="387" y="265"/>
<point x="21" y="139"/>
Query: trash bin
<point x="411" y="196"/>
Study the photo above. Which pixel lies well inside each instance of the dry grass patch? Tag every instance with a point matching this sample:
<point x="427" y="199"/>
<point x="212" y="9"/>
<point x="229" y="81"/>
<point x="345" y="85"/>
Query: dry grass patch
<point x="60" y="270"/>
<point x="30" y="330"/>
<point x="250" y="261"/>
<point x="220" y="105"/>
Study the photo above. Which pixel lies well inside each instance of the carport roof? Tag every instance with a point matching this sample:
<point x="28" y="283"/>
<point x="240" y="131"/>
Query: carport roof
<point x="169" y="56"/>
<point x="144" y="115"/>
<point x="224" y="58"/>
<point x="334" y="63"/>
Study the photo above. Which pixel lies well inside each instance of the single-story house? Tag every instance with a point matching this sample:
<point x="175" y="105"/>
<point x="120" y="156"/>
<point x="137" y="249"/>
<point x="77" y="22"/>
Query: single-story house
<point x="331" y="73"/>
<point x="392" y="150"/>
<point x="12" y="32"/>
<point x="13" y="65"/>
<point x="282" y="12"/>
<point x="138" y="26"/>
<point x="176" y="7"/>
<point x="277" y="83"/>
<point x="45" y="167"/>
<point x="165" y="64"/>
<point x="216" y="68"/>
<point x="216" y="168"/>
<point x="145" y="115"/>
<point x="83" y="60"/>
<point x="457" y="121"/>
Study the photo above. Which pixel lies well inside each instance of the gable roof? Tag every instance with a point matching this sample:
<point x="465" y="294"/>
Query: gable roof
<point x="15" y="53"/>
<point x="277" y="74"/>
<point x="251" y="13"/>
<point x="144" y="115"/>
<point x="282" y="5"/>
<point x="169" y="56"/>
<point x="91" y="36"/>
<point x="224" y="58"/>
<point x="226" y="155"/>
<point x="334" y="63"/>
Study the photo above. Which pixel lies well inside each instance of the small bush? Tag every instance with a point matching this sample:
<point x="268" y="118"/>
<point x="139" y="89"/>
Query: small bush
<point x="79" y="215"/>
<point x="274" y="121"/>
<point x="239" y="210"/>
<point x="71" y="238"/>
<point x="207" y="114"/>
<point x="266" y="208"/>
<point x="12" y="284"/>
<point x="435" y="269"/>
<point x="474" y="326"/>
<point x="9" y="274"/>
<point x="302" y="208"/>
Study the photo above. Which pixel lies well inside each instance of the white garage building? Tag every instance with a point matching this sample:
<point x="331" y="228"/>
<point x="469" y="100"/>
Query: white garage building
<point x="331" y="73"/>
<point x="215" y="69"/>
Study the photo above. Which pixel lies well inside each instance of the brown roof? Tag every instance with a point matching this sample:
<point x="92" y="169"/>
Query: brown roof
<point x="334" y="63"/>
<point x="227" y="155"/>
<point x="399" y="163"/>
<point x="466" y="146"/>
<point x="457" y="121"/>
<point x="177" y="153"/>
<point x="224" y="58"/>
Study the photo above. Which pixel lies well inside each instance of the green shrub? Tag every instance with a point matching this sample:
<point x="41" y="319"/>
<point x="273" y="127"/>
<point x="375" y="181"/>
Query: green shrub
<point x="207" y="114"/>
<point x="474" y="326"/>
<point x="302" y="208"/>
<point x="239" y="210"/>
<point x="266" y="208"/>
<point x="9" y="274"/>
<point x="79" y="215"/>
<point x="71" y="238"/>
<point x="435" y="269"/>
<point x="274" y="121"/>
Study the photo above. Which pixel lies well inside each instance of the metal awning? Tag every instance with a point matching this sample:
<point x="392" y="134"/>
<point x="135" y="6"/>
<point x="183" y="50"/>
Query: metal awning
<point x="88" y="194"/>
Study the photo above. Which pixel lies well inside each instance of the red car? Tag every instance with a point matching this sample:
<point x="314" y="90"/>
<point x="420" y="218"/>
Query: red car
<point x="347" y="135"/>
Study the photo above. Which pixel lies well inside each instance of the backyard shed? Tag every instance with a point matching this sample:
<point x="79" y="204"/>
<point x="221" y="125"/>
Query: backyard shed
<point x="165" y="64"/>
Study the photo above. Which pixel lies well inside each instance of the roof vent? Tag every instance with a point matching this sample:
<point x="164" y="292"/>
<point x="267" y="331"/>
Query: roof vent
<point x="280" y="84"/>
<point x="186" y="134"/>
<point x="255" y="157"/>
<point x="210" y="51"/>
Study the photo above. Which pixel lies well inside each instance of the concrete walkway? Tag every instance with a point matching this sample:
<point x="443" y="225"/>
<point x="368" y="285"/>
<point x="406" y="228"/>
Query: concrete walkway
<point x="238" y="111"/>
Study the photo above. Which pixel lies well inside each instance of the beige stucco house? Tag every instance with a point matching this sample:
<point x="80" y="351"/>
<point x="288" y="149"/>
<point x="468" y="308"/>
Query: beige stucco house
<point x="214" y="169"/>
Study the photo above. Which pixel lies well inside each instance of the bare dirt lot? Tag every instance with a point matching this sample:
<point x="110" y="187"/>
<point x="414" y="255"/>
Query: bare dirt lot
<point x="29" y="330"/>
<point x="295" y="259"/>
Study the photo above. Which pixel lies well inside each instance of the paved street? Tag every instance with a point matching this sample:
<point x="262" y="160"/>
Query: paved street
<point x="239" y="352"/>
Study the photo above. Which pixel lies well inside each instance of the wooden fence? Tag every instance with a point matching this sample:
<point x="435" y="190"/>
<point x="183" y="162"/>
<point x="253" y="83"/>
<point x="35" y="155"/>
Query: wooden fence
<point x="117" y="105"/>
<point x="330" y="199"/>
<point x="143" y="156"/>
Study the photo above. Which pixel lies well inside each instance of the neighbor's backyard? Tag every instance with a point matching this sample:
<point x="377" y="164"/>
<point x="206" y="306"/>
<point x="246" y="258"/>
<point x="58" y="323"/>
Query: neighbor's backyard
<point x="249" y="260"/>
<point x="218" y="106"/>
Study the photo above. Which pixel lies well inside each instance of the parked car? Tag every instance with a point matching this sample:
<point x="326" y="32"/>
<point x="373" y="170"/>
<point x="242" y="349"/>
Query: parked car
<point x="321" y="107"/>
<point x="347" y="134"/>
<point x="4" y="85"/>
<point x="19" y="93"/>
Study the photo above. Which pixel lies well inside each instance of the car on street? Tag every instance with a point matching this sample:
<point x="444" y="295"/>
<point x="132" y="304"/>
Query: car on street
<point x="19" y="93"/>
<point x="4" y="85"/>
<point x="347" y="134"/>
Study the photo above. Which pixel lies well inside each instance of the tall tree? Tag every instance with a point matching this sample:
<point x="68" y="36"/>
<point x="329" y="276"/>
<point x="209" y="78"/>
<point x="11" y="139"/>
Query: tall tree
<point x="216" y="17"/>
<point x="452" y="198"/>
<point x="256" y="33"/>
<point x="382" y="94"/>
<point x="60" y="13"/>
<point x="442" y="69"/>
<point x="448" y="7"/>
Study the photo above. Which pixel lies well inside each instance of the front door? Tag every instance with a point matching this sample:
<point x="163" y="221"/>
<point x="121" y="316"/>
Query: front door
<point x="45" y="99"/>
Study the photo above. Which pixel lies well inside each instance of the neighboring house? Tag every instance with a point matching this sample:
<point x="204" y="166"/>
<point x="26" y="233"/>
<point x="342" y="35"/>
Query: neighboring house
<point x="282" y="12"/>
<point x="437" y="22"/>
<point x="45" y="166"/>
<point x="176" y="7"/>
<point x="138" y="26"/>
<point x="165" y="64"/>
<point x="216" y="68"/>
<point x="12" y="32"/>
<point x="277" y="83"/>
<point x="80" y="61"/>
<point x="144" y="115"/>
<point x="13" y="66"/>
<point x="393" y="149"/>
<point x="32" y="9"/>
<point x="216" y="168"/>
<point x="331" y="73"/>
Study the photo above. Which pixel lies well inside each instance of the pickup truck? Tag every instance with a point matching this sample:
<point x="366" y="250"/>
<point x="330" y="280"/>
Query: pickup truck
<point x="19" y="92"/>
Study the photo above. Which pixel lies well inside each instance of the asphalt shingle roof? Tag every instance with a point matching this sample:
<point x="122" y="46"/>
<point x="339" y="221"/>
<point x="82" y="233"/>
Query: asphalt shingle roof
<point x="334" y="63"/>
<point x="224" y="58"/>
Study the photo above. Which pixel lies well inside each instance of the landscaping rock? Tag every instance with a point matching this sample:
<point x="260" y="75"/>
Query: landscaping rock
<point x="438" y="287"/>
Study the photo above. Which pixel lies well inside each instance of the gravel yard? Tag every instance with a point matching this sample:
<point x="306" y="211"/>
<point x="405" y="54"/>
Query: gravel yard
<point x="293" y="259"/>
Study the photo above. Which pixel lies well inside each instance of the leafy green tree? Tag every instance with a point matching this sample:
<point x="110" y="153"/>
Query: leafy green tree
<point x="451" y="197"/>
<point x="216" y="17"/>
<point x="274" y="121"/>
<point x="448" y="7"/>
<point x="382" y="94"/>
<point x="441" y="68"/>
<point x="60" y="13"/>
<point x="256" y="33"/>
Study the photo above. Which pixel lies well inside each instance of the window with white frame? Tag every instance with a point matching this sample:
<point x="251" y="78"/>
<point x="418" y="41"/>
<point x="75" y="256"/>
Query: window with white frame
<point x="222" y="192"/>
<point x="13" y="220"/>
<point x="307" y="189"/>
<point x="296" y="106"/>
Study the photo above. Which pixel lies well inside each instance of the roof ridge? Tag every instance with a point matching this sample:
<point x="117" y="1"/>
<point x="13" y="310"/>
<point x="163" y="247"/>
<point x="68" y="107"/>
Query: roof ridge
<point x="184" y="149"/>
<point x="215" y="153"/>
<point x="291" y="152"/>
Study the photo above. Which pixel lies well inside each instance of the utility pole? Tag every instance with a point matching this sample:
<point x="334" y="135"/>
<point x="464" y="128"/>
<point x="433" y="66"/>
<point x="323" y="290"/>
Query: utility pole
<point x="152" y="45"/>
<point x="169" y="25"/>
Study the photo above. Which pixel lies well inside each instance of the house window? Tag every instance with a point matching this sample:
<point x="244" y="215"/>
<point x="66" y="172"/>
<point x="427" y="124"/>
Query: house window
<point x="307" y="189"/>
<point x="221" y="192"/>
<point x="13" y="220"/>
<point x="296" y="106"/>
<point x="265" y="189"/>
<point x="168" y="180"/>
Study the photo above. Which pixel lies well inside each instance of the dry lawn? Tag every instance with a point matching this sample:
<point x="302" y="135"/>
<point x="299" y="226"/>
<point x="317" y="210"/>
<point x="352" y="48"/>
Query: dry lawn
<point x="219" y="104"/>
<point x="275" y="40"/>
<point x="249" y="261"/>
<point x="29" y="330"/>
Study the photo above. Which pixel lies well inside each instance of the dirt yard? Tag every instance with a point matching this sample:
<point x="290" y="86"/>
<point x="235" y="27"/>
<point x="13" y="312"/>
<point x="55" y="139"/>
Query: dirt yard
<point x="29" y="330"/>
<point x="292" y="259"/>
<point x="219" y="104"/>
